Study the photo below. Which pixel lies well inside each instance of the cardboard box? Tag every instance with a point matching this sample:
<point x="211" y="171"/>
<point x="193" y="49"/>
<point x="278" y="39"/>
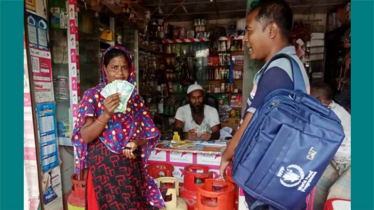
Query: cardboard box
<point x="317" y="43"/>
<point x="316" y="57"/>
<point x="232" y="122"/>
<point x="317" y="50"/>
<point x="317" y="36"/>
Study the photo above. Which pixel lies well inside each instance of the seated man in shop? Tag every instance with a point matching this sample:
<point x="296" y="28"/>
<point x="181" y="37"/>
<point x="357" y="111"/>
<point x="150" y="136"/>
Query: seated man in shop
<point x="197" y="120"/>
<point x="336" y="180"/>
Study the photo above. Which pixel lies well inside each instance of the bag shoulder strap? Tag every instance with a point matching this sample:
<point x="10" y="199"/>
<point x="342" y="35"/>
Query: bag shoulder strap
<point x="298" y="79"/>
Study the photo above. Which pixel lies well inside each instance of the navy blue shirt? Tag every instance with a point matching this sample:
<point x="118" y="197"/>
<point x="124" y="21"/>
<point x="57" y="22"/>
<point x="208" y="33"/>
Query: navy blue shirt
<point x="273" y="79"/>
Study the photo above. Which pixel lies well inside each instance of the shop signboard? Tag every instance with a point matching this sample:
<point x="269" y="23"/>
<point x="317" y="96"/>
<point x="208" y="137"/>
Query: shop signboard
<point x="42" y="74"/>
<point x="73" y="51"/>
<point x="52" y="190"/>
<point x="157" y="155"/>
<point x="208" y="159"/>
<point x="30" y="158"/>
<point x="46" y="114"/>
<point x="37" y="28"/>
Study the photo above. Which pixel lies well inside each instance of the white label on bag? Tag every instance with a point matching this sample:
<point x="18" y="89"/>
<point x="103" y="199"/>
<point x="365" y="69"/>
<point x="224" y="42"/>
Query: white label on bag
<point x="291" y="176"/>
<point x="294" y="175"/>
<point x="306" y="183"/>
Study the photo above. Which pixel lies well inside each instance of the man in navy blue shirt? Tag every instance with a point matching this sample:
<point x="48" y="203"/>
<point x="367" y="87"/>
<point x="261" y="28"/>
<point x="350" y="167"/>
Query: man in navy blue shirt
<point x="267" y="30"/>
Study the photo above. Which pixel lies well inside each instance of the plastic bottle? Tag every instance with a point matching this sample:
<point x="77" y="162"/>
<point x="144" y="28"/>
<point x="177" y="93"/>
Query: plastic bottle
<point x="161" y="106"/>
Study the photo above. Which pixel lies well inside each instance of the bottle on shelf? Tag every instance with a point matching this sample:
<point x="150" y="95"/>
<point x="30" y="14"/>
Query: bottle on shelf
<point x="160" y="106"/>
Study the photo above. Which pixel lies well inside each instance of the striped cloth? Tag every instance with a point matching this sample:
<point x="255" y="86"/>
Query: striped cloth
<point x="334" y="183"/>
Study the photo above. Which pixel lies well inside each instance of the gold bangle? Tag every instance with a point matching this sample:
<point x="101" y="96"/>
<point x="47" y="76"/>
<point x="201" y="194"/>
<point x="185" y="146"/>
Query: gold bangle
<point x="101" y="123"/>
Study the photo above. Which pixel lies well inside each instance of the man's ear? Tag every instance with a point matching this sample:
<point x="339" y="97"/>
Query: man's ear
<point x="273" y="30"/>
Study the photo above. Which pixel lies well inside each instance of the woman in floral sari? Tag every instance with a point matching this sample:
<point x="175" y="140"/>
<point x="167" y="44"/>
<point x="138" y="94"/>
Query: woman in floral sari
<point x="115" y="147"/>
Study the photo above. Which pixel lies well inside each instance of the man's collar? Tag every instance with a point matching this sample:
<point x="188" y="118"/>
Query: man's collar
<point x="332" y="105"/>
<point x="290" y="50"/>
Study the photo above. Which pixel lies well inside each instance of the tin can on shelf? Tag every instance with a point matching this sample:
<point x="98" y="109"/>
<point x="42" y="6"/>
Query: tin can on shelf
<point x="216" y="75"/>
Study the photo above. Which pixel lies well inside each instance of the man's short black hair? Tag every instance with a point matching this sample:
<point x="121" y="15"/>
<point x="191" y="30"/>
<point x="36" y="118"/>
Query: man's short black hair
<point x="323" y="90"/>
<point x="277" y="11"/>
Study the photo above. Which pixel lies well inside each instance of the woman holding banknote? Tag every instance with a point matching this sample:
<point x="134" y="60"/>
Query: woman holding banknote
<point x="114" y="146"/>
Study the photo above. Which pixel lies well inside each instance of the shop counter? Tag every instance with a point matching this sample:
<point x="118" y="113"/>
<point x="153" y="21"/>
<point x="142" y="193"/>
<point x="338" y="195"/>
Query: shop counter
<point x="207" y="154"/>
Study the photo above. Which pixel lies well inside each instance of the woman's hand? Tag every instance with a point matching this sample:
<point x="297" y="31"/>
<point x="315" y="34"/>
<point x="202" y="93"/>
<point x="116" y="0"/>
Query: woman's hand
<point x="129" y="149"/>
<point x="111" y="103"/>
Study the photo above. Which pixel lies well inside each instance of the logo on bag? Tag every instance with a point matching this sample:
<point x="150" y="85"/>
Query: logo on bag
<point x="291" y="176"/>
<point x="311" y="154"/>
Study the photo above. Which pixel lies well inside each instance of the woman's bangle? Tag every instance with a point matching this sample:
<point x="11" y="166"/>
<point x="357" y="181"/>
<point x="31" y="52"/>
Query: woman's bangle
<point x="101" y="123"/>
